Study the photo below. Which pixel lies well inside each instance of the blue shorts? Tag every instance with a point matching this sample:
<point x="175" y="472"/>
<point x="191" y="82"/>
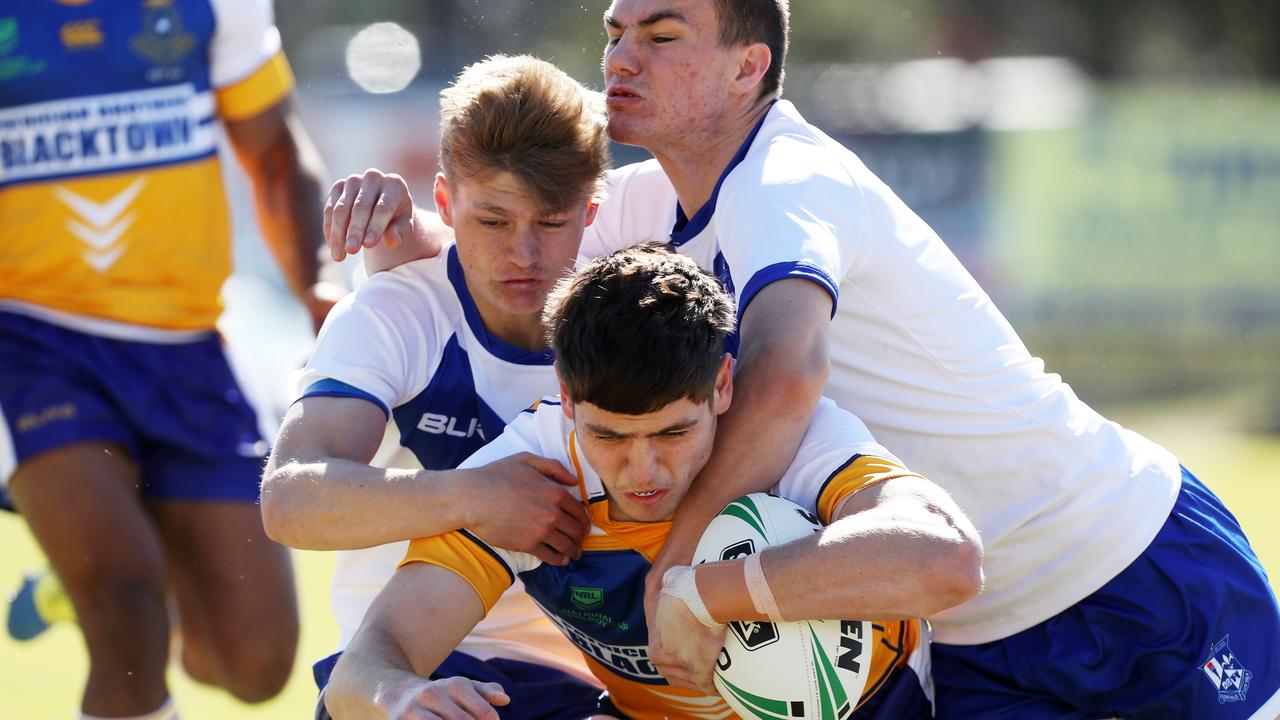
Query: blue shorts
<point x="176" y="408"/>
<point x="900" y="698"/>
<point x="1190" y="629"/>
<point x="537" y="692"/>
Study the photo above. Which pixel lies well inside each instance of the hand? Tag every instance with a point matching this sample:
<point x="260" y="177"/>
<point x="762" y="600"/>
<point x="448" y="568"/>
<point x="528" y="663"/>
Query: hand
<point x="319" y="299"/>
<point x="454" y="698"/>
<point x="520" y="503"/>
<point x="675" y="551"/>
<point x="683" y="649"/>
<point x="365" y="209"/>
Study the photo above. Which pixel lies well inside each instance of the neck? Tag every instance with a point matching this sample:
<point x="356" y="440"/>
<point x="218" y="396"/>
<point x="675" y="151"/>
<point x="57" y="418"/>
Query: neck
<point x="522" y="331"/>
<point x="695" y="165"/>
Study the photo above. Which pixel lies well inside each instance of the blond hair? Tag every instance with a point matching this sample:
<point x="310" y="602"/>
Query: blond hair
<point x="525" y="116"/>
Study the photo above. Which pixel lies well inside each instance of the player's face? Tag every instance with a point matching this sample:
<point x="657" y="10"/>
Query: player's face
<point x="647" y="462"/>
<point x="512" y="250"/>
<point x="664" y="70"/>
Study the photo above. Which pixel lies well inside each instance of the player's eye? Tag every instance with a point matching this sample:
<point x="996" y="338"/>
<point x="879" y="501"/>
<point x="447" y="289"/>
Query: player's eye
<point x="553" y="224"/>
<point x="660" y="39"/>
<point x="490" y="223"/>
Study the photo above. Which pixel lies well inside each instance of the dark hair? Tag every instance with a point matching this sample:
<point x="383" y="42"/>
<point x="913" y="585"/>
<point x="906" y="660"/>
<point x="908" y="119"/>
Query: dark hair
<point x="638" y="329"/>
<point x="525" y="116"/>
<point x="750" y="21"/>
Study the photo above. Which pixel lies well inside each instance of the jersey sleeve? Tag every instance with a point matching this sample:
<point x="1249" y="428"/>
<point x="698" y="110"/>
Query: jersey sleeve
<point x="379" y="344"/>
<point x="248" y="68"/>
<point x="837" y="458"/>
<point x="789" y="215"/>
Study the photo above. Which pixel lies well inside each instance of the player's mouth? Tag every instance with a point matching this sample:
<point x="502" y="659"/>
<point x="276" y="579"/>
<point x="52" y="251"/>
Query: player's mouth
<point x="621" y="97"/>
<point x="647" y="497"/>
<point x="522" y="285"/>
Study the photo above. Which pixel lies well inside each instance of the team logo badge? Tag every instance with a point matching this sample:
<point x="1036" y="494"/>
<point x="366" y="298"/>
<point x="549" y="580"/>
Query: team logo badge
<point x="587" y="598"/>
<point x="1226" y="673"/>
<point x="163" y="39"/>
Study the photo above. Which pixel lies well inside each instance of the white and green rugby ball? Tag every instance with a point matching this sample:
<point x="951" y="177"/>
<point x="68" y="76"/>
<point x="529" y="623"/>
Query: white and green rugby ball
<point x="775" y="671"/>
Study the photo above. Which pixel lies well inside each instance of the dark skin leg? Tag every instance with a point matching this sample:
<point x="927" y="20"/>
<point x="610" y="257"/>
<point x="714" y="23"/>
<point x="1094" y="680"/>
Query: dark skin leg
<point x="234" y="593"/>
<point x="81" y="503"/>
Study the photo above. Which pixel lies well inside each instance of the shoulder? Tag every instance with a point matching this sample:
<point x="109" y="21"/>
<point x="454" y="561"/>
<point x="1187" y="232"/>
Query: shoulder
<point x="642" y="179"/>
<point x="541" y="429"/>
<point x="790" y="156"/>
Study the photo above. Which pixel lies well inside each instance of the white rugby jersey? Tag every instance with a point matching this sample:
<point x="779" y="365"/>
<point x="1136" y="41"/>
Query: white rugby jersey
<point x="411" y="341"/>
<point x="1064" y="499"/>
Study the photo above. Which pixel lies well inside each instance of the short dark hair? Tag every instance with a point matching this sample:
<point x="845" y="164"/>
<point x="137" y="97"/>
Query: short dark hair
<point x="750" y="21"/>
<point x="639" y="329"/>
<point x="525" y="116"/>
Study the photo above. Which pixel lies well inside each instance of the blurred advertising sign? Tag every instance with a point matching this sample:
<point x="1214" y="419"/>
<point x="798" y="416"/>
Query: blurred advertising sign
<point x="1160" y="209"/>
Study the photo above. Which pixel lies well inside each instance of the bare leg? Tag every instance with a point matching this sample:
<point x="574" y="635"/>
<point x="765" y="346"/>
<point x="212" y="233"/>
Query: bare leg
<point x="82" y="505"/>
<point x="235" y="595"/>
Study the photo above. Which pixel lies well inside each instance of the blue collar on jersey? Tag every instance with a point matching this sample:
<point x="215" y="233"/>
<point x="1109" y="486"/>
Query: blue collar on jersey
<point x="495" y="345"/>
<point x="687" y="228"/>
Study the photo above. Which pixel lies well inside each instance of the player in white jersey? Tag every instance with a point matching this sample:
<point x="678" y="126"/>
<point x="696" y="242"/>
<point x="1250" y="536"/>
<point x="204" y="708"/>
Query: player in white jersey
<point x="421" y="366"/>
<point x="840" y="286"/>
<point x="639" y="340"/>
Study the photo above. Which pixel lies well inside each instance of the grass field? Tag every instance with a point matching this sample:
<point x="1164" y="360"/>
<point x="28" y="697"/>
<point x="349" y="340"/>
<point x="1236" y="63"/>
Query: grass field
<point x="42" y="679"/>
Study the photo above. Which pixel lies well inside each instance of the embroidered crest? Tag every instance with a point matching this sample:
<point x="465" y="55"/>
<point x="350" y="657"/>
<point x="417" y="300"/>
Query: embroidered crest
<point x="163" y="39"/>
<point x="1226" y="673"/>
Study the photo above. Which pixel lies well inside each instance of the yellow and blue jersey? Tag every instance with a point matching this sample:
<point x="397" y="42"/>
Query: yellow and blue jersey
<point x="597" y="601"/>
<point x="110" y="184"/>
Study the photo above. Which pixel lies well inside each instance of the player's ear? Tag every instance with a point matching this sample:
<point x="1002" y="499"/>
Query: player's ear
<point x="724" y="385"/>
<point x="593" y="206"/>
<point x="752" y="66"/>
<point x="566" y="402"/>
<point x="444" y="203"/>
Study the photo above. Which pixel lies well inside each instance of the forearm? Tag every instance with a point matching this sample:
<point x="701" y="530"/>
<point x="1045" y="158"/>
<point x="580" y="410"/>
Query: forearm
<point x="336" y="504"/>
<point x="745" y="460"/>
<point x="288" y="192"/>
<point x="898" y="560"/>
<point x="369" y="672"/>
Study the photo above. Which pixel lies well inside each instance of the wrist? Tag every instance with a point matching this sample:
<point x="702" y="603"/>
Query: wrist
<point x="724" y="587"/>
<point x="681" y="583"/>
<point x="447" y="491"/>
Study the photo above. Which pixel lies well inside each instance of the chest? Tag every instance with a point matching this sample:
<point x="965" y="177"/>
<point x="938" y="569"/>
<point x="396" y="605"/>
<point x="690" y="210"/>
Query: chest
<point x="466" y="402"/>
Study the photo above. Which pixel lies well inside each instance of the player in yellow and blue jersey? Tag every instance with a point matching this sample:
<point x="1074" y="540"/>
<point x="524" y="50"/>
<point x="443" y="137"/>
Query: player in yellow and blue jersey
<point x="639" y="341"/>
<point x="125" y="441"/>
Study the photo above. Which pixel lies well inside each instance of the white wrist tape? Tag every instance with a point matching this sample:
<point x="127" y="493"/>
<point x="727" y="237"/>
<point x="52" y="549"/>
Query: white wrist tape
<point x="758" y="588"/>
<point x="679" y="582"/>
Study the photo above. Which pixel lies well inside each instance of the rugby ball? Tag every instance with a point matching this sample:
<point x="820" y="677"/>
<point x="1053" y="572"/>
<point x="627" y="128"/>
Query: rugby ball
<point x="774" y="671"/>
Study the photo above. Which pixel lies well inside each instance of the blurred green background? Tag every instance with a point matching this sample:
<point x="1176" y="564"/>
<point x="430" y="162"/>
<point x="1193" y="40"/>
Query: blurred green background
<point x="1110" y="172"/>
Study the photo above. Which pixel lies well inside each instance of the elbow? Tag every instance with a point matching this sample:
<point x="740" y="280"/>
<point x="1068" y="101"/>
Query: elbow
<point x="955" y="573"/>
<point x="275" y="505"/>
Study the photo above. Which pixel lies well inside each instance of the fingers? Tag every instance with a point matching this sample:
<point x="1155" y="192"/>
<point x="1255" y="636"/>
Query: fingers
<point x="476" y="699"/>
<point x="385" y="205"/>
<point x="340" y="218"/>
<point x="549" y="468"/>
<point x="332" y="238"/>
<point x="361" y="211"/>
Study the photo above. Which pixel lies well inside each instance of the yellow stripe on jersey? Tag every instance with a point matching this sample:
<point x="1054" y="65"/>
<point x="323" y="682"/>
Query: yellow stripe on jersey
<point x="860" y="472"/>
<point x="142" y="247"/>
<point x="263" y="88"/>
<point x="466" y="557"/>
<point x="893" y="643"/>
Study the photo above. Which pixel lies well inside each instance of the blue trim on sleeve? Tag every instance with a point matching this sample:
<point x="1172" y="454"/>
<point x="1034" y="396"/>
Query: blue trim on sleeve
<point x="818" y="498"/>
<point x="782" y="271"/>
<point x="496" y="346"/>
<point x="687" y="228"/>
<point x="328" y="387"/>
<point x="485" y="547"/>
